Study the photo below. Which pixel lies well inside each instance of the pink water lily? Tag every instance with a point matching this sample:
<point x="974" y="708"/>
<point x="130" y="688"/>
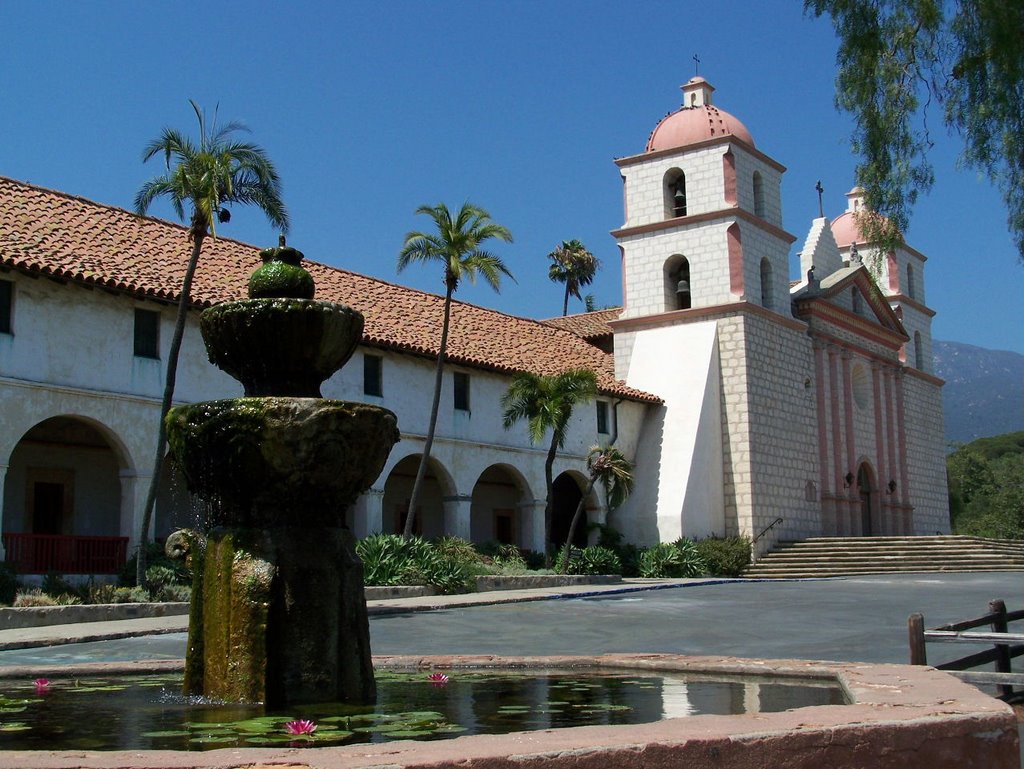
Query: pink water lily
<point x="438" y="679"/>
<point x="300" y="726"/>
<point x="42" y="684"/>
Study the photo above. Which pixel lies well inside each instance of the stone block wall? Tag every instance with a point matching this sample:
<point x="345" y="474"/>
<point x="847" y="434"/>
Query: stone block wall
<point x="782" y="427"/>
<point x="926" y="458"/>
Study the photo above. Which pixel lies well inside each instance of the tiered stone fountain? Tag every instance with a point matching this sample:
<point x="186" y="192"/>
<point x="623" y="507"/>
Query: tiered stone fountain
<point x="278" y="611"/>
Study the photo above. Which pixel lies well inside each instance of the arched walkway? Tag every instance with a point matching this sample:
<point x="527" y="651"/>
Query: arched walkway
<point x="62" y="506"/>
<point x="494" y="511"/>
<point x="437" y="485"/>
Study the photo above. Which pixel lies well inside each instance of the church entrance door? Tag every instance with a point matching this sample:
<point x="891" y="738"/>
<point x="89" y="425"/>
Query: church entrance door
<point x="864" y="485"/>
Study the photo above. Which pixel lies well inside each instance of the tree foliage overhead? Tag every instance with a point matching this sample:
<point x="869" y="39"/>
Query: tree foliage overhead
<point x="900" y="61"/>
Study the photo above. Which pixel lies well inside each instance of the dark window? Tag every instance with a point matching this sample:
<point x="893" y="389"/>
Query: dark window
<point x="461" y="391"/>
<point x="602" y="418"/>
<point x="6" y="305"/>
<point x="373" y="375"/>
<point x="147" y="334"/>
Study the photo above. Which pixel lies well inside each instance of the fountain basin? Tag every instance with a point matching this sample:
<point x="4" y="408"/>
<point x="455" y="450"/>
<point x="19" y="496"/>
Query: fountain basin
<point x="270" y="462"/>
<point x="900" y="717"/>
<point x="281" y="346"/>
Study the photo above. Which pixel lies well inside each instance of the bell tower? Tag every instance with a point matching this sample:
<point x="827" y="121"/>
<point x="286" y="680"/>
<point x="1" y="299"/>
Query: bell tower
<point x="703" y="215"/>
<point x="705" y="266"/>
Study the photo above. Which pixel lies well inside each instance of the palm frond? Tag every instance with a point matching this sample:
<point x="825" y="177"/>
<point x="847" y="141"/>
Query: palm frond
<point x="217" y="171"/>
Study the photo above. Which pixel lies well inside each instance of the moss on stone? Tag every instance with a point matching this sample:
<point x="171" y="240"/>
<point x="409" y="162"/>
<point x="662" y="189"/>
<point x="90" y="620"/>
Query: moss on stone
<point x="279" y="279"/>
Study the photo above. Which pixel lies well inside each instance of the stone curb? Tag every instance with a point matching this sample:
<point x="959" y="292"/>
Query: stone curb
<point x="45" y="616"/>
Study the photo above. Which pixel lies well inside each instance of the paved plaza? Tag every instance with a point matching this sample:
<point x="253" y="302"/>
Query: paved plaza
<point x="852" y="619"/>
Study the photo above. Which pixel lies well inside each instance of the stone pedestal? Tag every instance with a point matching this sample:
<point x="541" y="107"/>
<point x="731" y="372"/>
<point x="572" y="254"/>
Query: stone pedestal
<point x="283" y="619"/>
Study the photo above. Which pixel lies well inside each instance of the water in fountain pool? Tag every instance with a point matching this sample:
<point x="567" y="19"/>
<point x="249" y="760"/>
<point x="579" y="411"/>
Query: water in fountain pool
<point x="148" y="713"/>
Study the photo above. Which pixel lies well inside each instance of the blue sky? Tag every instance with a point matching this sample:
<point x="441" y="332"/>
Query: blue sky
<point x="370" y="110"/>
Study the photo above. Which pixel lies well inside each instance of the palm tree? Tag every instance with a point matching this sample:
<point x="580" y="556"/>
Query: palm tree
<point x="457" y="246"/>
<point x="205" y="178"/>
<point x="609" y="466"/>
<point x="546" y="403"/>
<point x="574" y="266"/>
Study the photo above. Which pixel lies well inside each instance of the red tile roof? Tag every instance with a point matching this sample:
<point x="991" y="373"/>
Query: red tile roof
<point x="47" y="232"/>
<point x="587" y="325"/>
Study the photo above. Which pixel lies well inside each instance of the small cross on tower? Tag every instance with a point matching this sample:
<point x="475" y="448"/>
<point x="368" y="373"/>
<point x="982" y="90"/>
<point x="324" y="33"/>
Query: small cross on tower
<point x="821" y="208"/>
<point x="696" y="65"/>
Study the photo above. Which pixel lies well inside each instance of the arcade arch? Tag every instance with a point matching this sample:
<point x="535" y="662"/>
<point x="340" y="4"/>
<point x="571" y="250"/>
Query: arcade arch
<point x="566" y="492"/>
<point x="437" y="485"/>
<point x="63" y="492"/>
<point x="494" y="513"/>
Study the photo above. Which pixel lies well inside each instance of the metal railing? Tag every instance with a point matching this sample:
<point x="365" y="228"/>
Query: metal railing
<point x="766" y="529"/>
<point x="65" y="553"/>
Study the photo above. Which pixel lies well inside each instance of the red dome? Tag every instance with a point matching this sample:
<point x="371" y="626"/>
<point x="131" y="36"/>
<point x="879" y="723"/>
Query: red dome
<point x="846" y="231"/>
<point x="696" y="124"/>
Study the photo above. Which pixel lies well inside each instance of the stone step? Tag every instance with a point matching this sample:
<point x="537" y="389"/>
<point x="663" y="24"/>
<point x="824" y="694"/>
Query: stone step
<point x="850" y="556"/>
<point x="892" y="565"/>
<point x="804" y="574"/>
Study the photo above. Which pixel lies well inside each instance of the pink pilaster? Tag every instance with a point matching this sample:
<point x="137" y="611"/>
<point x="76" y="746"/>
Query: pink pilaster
<point x="901" y="428"/>
<point x="735" y="245"/>
<point x="729" y="177"/>
<point x="853" y="497"/>
<point x="837" y="436"/>
<point x="828" y="508"/>
<point x="884" y="513"/>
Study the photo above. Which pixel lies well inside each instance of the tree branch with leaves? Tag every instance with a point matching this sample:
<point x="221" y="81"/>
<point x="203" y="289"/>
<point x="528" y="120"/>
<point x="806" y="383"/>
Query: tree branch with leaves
<point x="900" y="59"/>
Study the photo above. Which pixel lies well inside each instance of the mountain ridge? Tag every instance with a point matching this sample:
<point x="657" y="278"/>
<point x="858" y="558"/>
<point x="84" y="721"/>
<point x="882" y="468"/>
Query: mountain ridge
<point x="984" y="391"/>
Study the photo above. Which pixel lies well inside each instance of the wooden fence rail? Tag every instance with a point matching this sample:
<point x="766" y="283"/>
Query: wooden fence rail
<point x="1005" y="647"/>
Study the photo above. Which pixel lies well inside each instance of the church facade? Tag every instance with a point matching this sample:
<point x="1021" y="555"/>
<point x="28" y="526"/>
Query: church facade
<point x="813" y="402"/>
<point x="747" y="402"/>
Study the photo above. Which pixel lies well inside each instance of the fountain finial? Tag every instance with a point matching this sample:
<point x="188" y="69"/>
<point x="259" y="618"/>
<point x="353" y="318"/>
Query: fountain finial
<point x="281" y="276"/>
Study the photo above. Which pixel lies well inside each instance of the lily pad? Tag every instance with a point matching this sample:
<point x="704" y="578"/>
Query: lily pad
<point x="168" y="733"/>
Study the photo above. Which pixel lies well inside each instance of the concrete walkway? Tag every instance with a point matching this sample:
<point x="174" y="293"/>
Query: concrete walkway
<point x="85" y="632"/>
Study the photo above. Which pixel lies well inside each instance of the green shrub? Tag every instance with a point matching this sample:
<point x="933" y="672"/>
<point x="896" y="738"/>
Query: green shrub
<point x="725" y="556"/>
<point x="130" y="595"/>
<point x="390" y="559"/>
<point x="691" y="564"/>
<point x="659" y="561"/>
<point x="155" y="556"/>
<point x="172" y="593"/>
<point x="8" y="583"/>
<point x="589" y="560"/>
<point x="160" y="577"/>
<point x="54" y="585"/>
<point x="102" y="592"/>
<point x="629" y="555"/>
<point x="673" y="560"/>
<point x="458" y="549"/>
<point x="34" y="597"/>
<point x="509" y="559"/>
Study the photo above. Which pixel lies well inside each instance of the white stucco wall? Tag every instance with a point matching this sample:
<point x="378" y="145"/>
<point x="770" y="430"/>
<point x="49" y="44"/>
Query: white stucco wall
<point x="679" y="463"/>
<point x="71" y="354"/>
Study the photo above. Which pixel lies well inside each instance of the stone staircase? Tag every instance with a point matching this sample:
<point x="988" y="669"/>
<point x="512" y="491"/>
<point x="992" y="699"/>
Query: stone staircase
<point x="848" y="556"/>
